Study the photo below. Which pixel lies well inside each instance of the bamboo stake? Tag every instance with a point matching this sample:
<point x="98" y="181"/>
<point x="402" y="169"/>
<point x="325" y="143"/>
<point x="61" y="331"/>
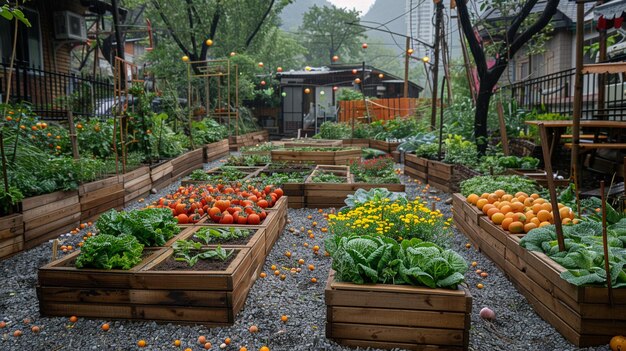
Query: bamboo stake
<point x="502" y="123"/>
<point x="605" y="245"/>
<point x="551" y="188"/>
<point x="55" y="249"/>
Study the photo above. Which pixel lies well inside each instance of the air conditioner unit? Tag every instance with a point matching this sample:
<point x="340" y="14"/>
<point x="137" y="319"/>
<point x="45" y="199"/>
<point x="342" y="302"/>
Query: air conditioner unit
<point x="69" y="26"/>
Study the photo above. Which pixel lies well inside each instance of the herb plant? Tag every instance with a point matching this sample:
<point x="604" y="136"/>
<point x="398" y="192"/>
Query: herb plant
<point x="191" y="252"/>
<point x="210" y="235"/>
<point x="327" y="178"/>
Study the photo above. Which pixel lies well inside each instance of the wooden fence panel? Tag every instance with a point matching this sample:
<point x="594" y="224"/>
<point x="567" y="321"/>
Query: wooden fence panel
<point x="379" y="109"/>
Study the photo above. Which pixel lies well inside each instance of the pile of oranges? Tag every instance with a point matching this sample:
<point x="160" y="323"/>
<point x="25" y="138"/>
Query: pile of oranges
<point x="519" y="213"/>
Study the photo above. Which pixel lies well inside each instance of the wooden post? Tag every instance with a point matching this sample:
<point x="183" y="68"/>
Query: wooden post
<point x="602" y="76"/>
<point x="55" y="249"/>
<point x="438" y="19"/>
<point x="578" y="86"/>
<point x="605" y="245"/>
<point x="551" y="188"/>
<point x="406" y="67"/>
<point x="70" y="119"/>
<point x="502" y="123"/>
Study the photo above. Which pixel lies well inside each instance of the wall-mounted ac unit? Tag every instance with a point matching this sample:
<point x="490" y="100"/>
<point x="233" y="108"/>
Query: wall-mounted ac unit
<point x="69" y="26"/>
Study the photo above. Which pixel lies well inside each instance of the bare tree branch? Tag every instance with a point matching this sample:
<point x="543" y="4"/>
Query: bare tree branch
<point x="259" y="25"/>
<point x="214" y="22"/>
<point x="192" y="36"/>
<point x="540" y="23"/>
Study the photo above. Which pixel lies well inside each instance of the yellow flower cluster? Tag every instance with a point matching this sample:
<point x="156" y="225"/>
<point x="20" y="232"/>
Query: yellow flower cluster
<point x="398" y="220"/>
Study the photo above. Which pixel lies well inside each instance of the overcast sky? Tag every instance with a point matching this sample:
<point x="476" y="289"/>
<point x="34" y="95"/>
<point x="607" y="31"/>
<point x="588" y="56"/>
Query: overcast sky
<point x="361" y="5"/>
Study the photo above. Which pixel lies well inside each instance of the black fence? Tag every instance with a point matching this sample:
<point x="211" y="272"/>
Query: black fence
<point x="52" y="94"/>
<point x="604" y="95"/>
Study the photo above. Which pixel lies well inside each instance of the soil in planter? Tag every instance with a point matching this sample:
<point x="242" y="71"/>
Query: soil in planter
<point x="170" y="264"/>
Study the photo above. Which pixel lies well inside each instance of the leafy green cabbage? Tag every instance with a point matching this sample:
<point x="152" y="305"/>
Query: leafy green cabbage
<point x="110" y="252"/>
<point x="369" y="259"/>
<point x="151" y="227"/>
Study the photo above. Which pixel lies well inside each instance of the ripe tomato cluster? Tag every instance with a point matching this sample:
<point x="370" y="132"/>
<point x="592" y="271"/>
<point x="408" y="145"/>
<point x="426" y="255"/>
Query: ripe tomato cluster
<point x="224" y="204"/>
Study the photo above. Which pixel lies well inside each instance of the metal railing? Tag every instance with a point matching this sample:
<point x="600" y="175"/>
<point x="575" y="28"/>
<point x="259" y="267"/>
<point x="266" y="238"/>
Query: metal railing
<point x="52" y="94"/>
<point x="604" y="95"/>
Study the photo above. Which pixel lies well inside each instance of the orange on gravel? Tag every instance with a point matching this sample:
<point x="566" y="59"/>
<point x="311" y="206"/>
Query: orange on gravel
<point x="284" y="319"/>
<point x="497" y="218"/>
<point x="529" y="226"/>
<point x="3" y="324"/>
<point x="141" y="343"/>
<point x="264" y="348"/>
<point x="106" y="327"/>
<point x="313" y="280"/>
<point x="263" y="275"/>
<point x="253" y="329"/>
<point x="177" y="343"/>
<point x="17" y="333"/>
<point x="35" y="329"/>
<point x="243" y="348"/>
<point x="73" y="319"/>
<point x="207" y="346"/>
<point x="506" y="223"/>
<point x="202" y="339"/>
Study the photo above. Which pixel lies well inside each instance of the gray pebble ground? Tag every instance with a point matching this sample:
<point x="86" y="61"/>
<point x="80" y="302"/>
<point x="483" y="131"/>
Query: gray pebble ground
<point x="517" y="326"/>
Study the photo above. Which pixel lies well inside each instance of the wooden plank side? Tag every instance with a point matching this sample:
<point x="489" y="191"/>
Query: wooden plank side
<point x="36" y="212"/>
<point x="35" y="202"/>
<point x="364" y="344"/>
<point x="398" y="317"/>
<point x="423" y="336"/>
<point x="99" y="184"/>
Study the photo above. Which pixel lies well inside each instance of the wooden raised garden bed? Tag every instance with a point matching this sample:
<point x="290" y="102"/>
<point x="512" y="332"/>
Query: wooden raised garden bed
<point x="312" y="142"/>
<point x="186" y="163"/>
<point x="382" y="145"/>
<point x="11" y="235"/>
<point x="581" y="314"/>
<point x="397" y="316"/>
<point x="215" y="151"/>
<point x="360" y="143"/>
<point x="339" y="157"/>
<point x="136" y="184"/>
<point x="100" y="196"/>
<point x="416" y="167"/>
<point x="447" y="177"/>
<point x="248" y="171"/>
<point x="249" y="139"/>
<point x="47" y="216"/>
<point x="161" y="174"/>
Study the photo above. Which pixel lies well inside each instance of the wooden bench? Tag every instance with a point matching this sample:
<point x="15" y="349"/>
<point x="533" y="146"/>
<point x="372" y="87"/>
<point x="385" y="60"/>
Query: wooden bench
<point x="595" y="146"/>
<point x="585" y="136"/>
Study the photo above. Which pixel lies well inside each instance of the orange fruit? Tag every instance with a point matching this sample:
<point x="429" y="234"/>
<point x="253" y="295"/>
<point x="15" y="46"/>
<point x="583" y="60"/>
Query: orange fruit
<point x="543" y="224"/>
<point x="575" y="221"/>
<point x="264" y="348"/>
<point x="481" y="203"/>
<point x="516" y="227"/>
<point x="500" y="193"/>
<point x="487" y="207"/>
<point x="566" y="221"/>
<point x="492" y="211"/>
<point x="253" y="329"/>
<point x="536" y="221"/>
<point x="177" y="343"/>
<point x="141" y="343"/>
<point x="472" y="198"/>
<point x="536" y="207"/>
<point x="73" y="319"/>
<point x="521" y="193"/>
<point x="202" y="339"/>
<point x="546" y="206"/>
<point x="539" y="201"/>
<point x="507" y="197"/>
<point x="534" y="196"/>
<point x="106" y="327"/>
<point x="517" y="206"/>
<point x="566" y="212"/>
<point x="528" y="201"/>
<point x="506" y="209"/>
<point x="497" y="218"/>
<point x="485" y="196"/>
<point x="492" y="198"/>
<point x="544" y="216"/>
<point x="529" y="226"/>
<point x="506" y="223"/>
<point x="519" y="217"/>
<point x="497" y="204"/>
<point x="284" y="318"/>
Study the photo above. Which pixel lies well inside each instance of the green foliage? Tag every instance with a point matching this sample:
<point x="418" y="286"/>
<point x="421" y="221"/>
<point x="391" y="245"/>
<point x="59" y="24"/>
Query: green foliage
<point x="533" y="131"/>
<point x="380" y="170"/>
<point x="279" y="178"/>
<point x="248" y="160"/>
<point x="8" y="200"/>
<point x="369" y="259"/>
<point x="349" y="94"/>
<point x="327" y="178"/>
<point x="225" y="174"/>
<point x="95" y="137"/>
<point x="191" y="252"/>
<point x="499" y="163"/>
<point x="511" y="184"/>
<point x="267" y="146"/>
<point x="208" y="131"/>
<point x="361" y="196"/>
<point x="211" y="235"/>
<point x="152" y="227"/>
<point x="334" y="131"/>
<point x="10" y="12"/>
<point x="324" y="33"/>
<point x="110" y="252"/>
<point x="460" y="151"/>
<point x="412" y="143"/>
<point x="584" y="252"/>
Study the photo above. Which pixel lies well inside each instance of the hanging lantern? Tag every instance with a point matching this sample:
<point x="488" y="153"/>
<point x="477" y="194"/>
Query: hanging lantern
<point x="185" y="58"/>
<point x="354" y="71"/>
<point x="335" y="58"/>
<point x="232" y="54"/>
<point x="381" y="76"/>
<point x="261" y="64"/>
<point x="335" y="88"/>
<point x="263" y="83"/>
<point x="283" y="94"/>
<point x="410" y="51"/>
<point x="364" y="45"/>
<point x="208" y="42"/>
<point x="357" y="81"/>
<point x="426" y="59"/>
<point x="307" y="91"/>
<point x="279" y="69"/>
<point x="322" y="92"/>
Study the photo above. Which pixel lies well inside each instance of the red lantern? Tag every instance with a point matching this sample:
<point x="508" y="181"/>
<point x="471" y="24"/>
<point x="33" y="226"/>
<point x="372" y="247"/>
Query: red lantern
<point x="279" y="69"/>
<point x="357" y="81"/>
<point x="364" y="46"/>
<point x="335" y="58"/>
<point x="263" y="83"/>
<point x="354" y="71"/>
<point x="335" y="88"/>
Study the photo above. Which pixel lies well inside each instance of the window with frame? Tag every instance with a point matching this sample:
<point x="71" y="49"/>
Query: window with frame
<point x="28" y="48"/>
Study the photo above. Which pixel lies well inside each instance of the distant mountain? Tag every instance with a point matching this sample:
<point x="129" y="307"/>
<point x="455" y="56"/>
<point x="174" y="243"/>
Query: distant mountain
<point x="291" y="15"/>
<point x="381" y="12"/>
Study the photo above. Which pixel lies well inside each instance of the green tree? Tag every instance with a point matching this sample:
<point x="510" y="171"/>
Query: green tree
<point x="517" y="26"/>
<point x="325" y="33"/>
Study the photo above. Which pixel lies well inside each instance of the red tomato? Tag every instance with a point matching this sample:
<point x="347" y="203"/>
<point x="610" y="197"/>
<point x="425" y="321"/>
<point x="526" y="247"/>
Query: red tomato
<point x="243" y="218"/>
<point x="254" y="219"/>
<point x="227" y="218"/>
<point x="279" y="193"/>
<point x="214" y="213"/>
<point x="262" y="203"/>
<point x="182" y="218"/>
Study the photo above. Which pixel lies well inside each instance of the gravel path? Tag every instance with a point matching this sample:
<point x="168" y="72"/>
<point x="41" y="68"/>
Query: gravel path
<point x="517" y="326"/>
